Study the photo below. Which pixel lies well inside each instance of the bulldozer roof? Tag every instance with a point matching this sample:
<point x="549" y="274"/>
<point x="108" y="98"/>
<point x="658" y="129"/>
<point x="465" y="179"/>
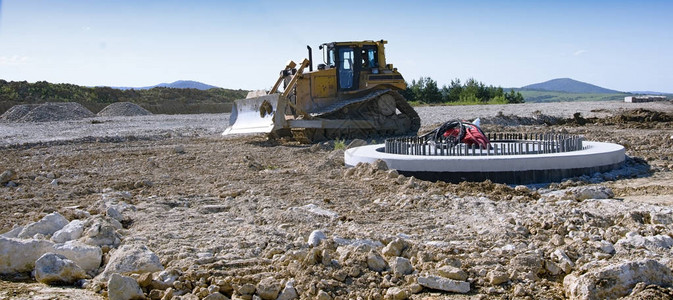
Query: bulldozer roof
<point x="356" y="43"/>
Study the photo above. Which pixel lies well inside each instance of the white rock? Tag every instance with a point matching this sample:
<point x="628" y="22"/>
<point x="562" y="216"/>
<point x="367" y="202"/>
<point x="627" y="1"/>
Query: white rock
<point x="216" y="296"/>
<point x="657" y="243"/>
<point x="452" y="272"/>
<point x="395" y="247"/>
<point x="496" y="277"/>
<point x="169" y="276"/>
<point x="552" y="267"/>
<point x="289" y="292"/>
<point x="375" y="262"/>
<point x="86" y="256"/>
<point x="617" y="280"/>
<point x="101" y="232"/>
<point x="562" y="257"/>
<point x="69" y="232"/>
<point x="591" y="192"/>
<point x="47" y="226"/>
<point x="123" y="288"/>
<point x="53" y="268"/>
<point x="14" y="233"/>
<point x="19" y="255"/>
<point x="444" y="284"/>
<point x="315" y="238"/>
<point x="268" y="288"/>
<point x="606" y="247"/>
<point x="131" y="259"/>
<point x="112" y="212"/>
<point x="402" y="266"/>
<point x="663" y="218"/>
<point x="396" y="293"/>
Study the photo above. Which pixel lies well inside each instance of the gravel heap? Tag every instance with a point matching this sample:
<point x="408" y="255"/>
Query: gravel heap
<point x="46" y="112"/>
<point x="123" y="109"/>
<point x="17" y="112"/>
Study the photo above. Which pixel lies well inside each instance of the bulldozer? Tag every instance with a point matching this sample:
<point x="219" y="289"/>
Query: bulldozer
<point x="354" y="93"/>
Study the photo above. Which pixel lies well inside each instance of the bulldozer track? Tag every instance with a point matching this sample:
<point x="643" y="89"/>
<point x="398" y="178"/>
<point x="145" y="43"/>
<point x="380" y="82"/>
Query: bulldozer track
<point x="364" y="108"/>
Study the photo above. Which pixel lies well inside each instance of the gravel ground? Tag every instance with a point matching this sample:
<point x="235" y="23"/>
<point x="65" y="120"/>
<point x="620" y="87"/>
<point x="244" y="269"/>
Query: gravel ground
<point x="236" y="213"/>
<point x="161" y="126"/>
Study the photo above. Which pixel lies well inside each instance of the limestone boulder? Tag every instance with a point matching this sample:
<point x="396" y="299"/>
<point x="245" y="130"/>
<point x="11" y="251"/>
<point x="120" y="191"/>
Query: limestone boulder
<point x="123" y="288"/>
<point x="633" y="240"/>
<point x="289" y="292"/>
<point x="315" y="238"/>
<point x="375" y="262"/>
<point x="14" y="233"/>
<point x="216" y="296"/>
<point x="46" y="226"/>
<point x="452" y="272"/>
<point x="19" y="255"/>
<point x="396" y="293"/>
<point x="616" y="280"/>
<point x="69" y="232"/>
<point x="53" y="268"/>
<point x="395" y="247"/>
<point x="268" y="288"/>
<point x="401" y="266"/>
<point x="444" y="284"/>
<point x="86" y="256"/>
<point x="114" y="213"/>
<point x="131" y="259"/>
<point x="101" y="232"/>
<point x="591" y="192"/>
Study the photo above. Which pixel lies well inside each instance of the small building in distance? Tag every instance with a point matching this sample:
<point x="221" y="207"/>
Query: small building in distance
<point x="644" y="98"/>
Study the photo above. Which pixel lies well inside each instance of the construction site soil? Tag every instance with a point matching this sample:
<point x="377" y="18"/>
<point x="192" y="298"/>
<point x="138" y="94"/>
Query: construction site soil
<point x="237" y="212"/>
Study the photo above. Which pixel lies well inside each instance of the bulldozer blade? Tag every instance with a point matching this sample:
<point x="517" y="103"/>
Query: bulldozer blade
<point x="253" y="115"/>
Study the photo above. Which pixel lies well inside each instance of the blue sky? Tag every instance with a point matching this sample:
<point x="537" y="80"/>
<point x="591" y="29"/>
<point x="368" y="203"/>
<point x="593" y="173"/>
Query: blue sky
<point x="622" y="45"/>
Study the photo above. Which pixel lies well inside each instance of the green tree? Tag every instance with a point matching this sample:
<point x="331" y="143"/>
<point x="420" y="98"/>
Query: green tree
<point x="430" y="92"/>
<point x="514" y="97"/>
<point x="454" y="91"/>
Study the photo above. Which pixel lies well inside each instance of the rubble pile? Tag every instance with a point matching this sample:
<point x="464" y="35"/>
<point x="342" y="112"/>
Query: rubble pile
<point x="123" y="109"/>
<point x="46" y="112"/>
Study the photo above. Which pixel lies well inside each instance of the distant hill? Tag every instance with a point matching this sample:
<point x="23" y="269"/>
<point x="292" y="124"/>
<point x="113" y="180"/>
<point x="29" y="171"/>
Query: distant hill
<point x="186" y="84"/>
<point x="180" y="84"/>
<point x="568" y="85"/>
<point x="552" y="96"/>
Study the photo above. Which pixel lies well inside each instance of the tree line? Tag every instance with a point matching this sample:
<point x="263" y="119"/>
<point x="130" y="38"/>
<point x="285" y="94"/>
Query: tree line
<point x="425" y="90"/>
<point x="22" y="92"/>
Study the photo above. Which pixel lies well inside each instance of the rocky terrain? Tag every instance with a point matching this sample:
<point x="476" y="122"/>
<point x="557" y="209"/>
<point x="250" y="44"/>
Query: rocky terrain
<point x="164" y="207"/>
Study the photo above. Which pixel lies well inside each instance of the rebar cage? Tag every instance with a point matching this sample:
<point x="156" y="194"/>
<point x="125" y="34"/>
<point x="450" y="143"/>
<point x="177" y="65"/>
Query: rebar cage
<point x="501" y="144"/>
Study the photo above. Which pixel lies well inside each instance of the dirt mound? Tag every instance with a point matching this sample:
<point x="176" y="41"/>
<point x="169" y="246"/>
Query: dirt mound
<point x="513" y="120"/>
<point x="638" y="118"/>
<point x="47" y="112"/>
<point x="123" y="109"/>
<point x="642" y="115"/>
<point x="17" y="112"/>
